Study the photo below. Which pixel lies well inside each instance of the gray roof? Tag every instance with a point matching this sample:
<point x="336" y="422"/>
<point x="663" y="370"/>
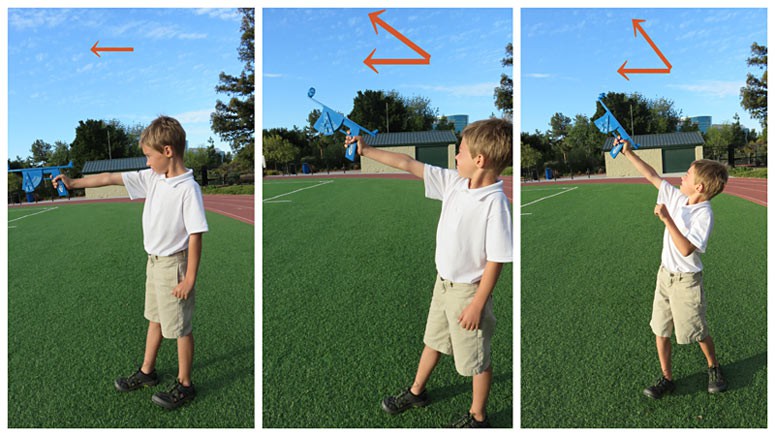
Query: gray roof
<point x="430" y="137"/>
<point x="114" y="165"/>
<point x="663" y="140"/>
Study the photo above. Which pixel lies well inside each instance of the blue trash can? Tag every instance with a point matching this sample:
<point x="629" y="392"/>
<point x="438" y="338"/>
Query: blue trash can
<point x="305" y="168"/>
<point x="548" y="174"/>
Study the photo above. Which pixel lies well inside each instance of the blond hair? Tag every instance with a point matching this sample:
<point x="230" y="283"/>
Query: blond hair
<point x="712" y="175"/>
<point x="164" y="131"/>
<point x="492" y="138"/>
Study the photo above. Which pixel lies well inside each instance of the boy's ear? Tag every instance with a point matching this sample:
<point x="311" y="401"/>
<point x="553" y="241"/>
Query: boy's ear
<point x="167" y="151"/>
<point x="480" y="160"/>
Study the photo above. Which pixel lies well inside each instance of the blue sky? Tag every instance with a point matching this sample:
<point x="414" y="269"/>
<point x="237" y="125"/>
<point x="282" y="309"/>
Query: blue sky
<point x="325" y="49"/>
<point x="569" y="56"/>
<point x="54" y="80"/>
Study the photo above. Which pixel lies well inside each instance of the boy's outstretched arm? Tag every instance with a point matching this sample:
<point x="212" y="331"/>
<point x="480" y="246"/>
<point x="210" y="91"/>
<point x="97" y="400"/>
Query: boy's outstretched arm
<point x="104" y="179"/>
<point x="396" y="160"/>
<point x="647" y="170"/>
<point x="471" y="316"/>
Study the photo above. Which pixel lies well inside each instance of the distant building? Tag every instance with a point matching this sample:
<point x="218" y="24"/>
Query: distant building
<point x="94" y="167"/>
<point x="434" y="147"/>
<point x="703" y="122"/>
<point x="460" y="121"/>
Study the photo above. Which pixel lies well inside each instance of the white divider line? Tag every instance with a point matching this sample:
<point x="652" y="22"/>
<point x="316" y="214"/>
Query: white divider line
<point x="546" y="189"/>
<point x="549" y="196"/>
<point x="298" y="190"/>
<point x="36" y="213"/>
<point x="279" y="201"/>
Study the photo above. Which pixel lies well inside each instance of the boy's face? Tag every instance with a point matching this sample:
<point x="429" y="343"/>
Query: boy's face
<point x="688" y="184"/>
<point x="465" y="163"/>
<point x="159" y="162"/>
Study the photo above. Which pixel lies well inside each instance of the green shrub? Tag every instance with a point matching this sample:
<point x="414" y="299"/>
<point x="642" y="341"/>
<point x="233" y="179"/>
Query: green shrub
<point x="230" y="190"/>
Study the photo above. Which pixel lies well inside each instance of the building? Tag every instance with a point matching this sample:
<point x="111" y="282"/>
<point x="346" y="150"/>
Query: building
<point x="703" y="122"/>
<point x="667" y="153"/>
<point x="94" y="167"/>
<point x="460" y="121"/>
<point x="434" y="147"/>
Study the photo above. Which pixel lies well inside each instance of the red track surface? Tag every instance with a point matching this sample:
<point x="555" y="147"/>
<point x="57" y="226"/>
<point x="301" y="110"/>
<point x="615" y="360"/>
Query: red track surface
<point x="508" y="181"/>
<point x="754" y="190"/>
<point x="239" y="207"/>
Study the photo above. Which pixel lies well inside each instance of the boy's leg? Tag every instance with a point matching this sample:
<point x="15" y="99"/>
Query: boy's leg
<point x="185" y="358"/>
<point x="481" y="384"/>
<point x="152" y="344"/>
<point x="664" y="350"/>
<point x="709" y="350"/>
<point x="428" y="361"/>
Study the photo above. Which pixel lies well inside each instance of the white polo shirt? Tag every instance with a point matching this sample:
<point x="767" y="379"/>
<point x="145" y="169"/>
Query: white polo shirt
<point x="695" y="221"/>
<point x="173" y="209"/>
<point x="474" y="226"/>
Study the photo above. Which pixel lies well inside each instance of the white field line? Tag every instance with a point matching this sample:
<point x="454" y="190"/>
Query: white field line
<point x="300" y="182"/>
<point x="546" y="189"/>
<point x="279" y="201"/>
<point x="298" y="190"/>
<point x="549" y="196"/>
<point x="31" y="214"/>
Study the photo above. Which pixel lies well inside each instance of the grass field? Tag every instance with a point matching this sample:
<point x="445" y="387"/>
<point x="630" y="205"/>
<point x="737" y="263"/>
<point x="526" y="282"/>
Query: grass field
<point x="588" y="268"/>
<point x="348" y="271"/>
<point x="75" y="321"/>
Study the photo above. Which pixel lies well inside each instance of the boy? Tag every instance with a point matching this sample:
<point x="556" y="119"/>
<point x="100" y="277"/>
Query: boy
<point x="173" y="223"/>
<point x="473" y="241"/>
<point x="679" y="298"/>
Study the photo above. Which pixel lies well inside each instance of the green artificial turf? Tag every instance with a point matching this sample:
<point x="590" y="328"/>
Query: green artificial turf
<point x="75" y="321"/>
<point x="589" y="259"/>
<point x="348" y="272"/>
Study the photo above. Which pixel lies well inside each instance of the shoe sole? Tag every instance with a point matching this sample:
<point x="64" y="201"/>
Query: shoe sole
<point x="410" y="406"/>
<point x="716" y="390"/>
<point x="169" y="406"/>
<point x="648" y="393"/>
<point x="120" y="388"/>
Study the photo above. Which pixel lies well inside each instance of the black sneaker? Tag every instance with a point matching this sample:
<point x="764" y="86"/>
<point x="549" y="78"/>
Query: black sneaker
<point x="468" y="421"/>
<point x="177" y="396"/>
<point x="403" y="401"/>
<point x="663" y="386"/>
<point x="716" y="381"/>
<point x="136" y="381"/>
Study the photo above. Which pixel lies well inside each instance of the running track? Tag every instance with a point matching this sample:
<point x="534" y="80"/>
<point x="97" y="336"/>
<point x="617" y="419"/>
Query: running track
<point x="239" y="207"/>
<point x="750" y="189"/>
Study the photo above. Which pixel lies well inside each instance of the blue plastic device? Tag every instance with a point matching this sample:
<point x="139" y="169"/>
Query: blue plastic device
<point x="331" y="121"/>
<point x="609" y="124"/>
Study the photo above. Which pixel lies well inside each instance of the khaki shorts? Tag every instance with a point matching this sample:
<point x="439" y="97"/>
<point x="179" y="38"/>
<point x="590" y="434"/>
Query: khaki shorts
<point x="471" y="348"/>
<point x="163" y="273"/>
<point x="679" y="302"/>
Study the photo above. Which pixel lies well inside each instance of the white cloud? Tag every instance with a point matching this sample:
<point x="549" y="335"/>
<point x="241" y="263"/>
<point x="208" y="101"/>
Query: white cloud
<point x="717" y="88"/>
<point x="199" y="116"/>
<point x="538" y="75"/>
<point x="472" y="90"/>
<point x="34" y="18"/>
<point x="223" y="14"/>
<point x="273" y="75"/>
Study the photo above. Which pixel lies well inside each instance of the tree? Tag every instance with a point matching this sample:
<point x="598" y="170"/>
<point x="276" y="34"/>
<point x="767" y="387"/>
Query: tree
<point x="97" y="140"/>
<point x="504" y="93"/>
<point x="234" y="121"/>
<point x="560" y="126"/>
<point x="41" y="152"/>
<point x="754" y="93"/>
<point x="61" y="154"/>
<point x="420" y="116"/>
<point x="716" y="141"/>
<point x="688" y="126"/>
<point x="379" y="110"/>
<point x="444" y="124"/>
<point x="278" y="150"/>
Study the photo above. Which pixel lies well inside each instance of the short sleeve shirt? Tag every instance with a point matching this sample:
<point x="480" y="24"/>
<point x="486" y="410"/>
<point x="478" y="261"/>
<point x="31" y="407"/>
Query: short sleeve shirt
<point x="474" y="226"/>
<point x="695" y="222"/>
<point x="173" y="209"/>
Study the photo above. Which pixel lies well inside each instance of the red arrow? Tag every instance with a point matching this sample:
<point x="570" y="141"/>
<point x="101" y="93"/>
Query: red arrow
<point x="96" y="50"/>
<point x="623" y="71"/>
<point x="370" y="61"/>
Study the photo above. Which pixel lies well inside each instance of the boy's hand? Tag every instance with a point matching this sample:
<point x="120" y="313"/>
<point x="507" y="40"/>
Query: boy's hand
<point x="626" y="146"/>
<point x="470" y="316"/>
<point x="359" y="139"/>
<point x="61" y="178"/>
<point x="183" y="289"/>
<point x="661" y="211"/>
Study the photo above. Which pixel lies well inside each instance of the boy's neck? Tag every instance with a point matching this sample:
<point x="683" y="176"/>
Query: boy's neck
<point x="696" y="198"/>
<point x="482" y="178"/>
<point x="176" y="168"/>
